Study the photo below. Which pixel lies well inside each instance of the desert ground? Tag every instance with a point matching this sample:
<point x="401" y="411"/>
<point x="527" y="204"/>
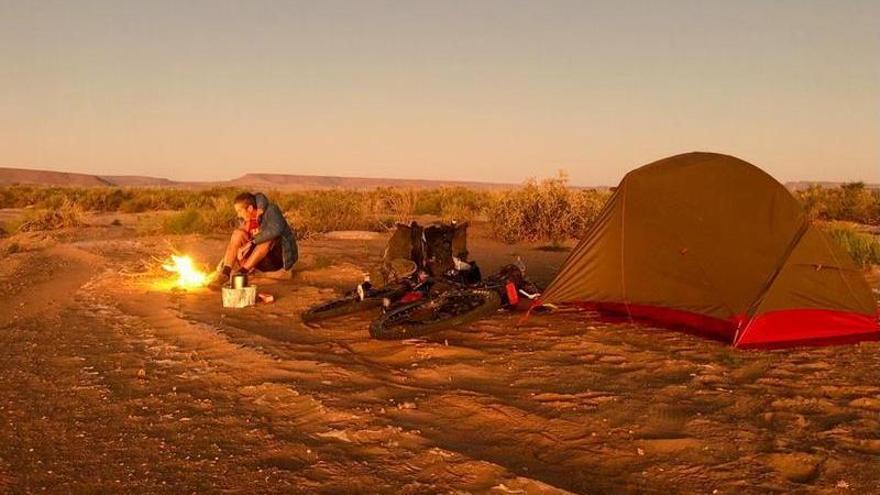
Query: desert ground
<point x="111" y="384"/>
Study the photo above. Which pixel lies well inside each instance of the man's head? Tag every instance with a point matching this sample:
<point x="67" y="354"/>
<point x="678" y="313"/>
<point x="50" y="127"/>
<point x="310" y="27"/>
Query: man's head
<point x="245" y="206"/>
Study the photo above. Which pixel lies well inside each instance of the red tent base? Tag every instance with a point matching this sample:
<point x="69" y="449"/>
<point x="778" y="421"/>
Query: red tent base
<point x="816" y="327"/>
<point x="694" y="323"/>
<point x="776" y="329"/>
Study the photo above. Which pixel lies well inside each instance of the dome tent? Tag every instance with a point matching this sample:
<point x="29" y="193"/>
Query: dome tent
<point x="714" y="244"/>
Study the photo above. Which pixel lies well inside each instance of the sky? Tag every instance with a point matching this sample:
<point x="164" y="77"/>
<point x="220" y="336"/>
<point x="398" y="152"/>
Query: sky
<point x="465" y="90"/>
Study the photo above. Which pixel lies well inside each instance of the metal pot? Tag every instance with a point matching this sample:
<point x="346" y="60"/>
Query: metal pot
<point x="239" y="281"/>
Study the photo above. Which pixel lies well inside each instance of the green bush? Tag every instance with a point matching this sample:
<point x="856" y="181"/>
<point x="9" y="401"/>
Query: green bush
<point x="185" y="222"/>
<point x="863" y="247"/>
<point x="220" y="217"/>
<point x="96" y="199"/>
<point x="429" y="202"/>
<point x="459" y="203"/>
<point x="135" y="205"/>
<point x="452" y="203"/>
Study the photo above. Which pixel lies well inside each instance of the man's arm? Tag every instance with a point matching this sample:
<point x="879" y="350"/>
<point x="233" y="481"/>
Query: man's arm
<point x="272" y="226"/>
<point x="262" y="202"/>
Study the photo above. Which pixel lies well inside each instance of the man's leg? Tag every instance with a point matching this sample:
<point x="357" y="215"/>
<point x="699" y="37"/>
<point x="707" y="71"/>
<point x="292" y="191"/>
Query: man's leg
<point x="260" y="251"/>
<point x="238" y="239"/>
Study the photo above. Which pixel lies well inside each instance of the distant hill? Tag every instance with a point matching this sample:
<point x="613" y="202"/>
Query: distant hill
<point x="279" y="182"/>
<point x="294" y="182"/>
<point x="9" y="176"/>
<point x="136" y="181"/>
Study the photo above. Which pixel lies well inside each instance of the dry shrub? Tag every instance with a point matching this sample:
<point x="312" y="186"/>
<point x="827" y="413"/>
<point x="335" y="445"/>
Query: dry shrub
<point x="67" y="215"/>
<point x="452" y="203"/>
<point x="852" y="202"/>
<point x="106" y="199"/>
<point x="325" y="211"/>
<point x="532" y="212"/>
<point x="135" y="205"/>
<point x="99" y="199"/>
<point x="586" y="205"/>
<point x="546" y="210"/>
<point x="399" y="204"/>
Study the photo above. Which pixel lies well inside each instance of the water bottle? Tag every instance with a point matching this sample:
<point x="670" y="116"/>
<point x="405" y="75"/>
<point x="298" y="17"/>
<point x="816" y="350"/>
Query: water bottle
<point x="364" y="288"/>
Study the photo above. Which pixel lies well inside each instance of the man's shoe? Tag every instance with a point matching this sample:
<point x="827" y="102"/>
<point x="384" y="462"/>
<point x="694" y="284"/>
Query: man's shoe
<point x="218" y="280"/>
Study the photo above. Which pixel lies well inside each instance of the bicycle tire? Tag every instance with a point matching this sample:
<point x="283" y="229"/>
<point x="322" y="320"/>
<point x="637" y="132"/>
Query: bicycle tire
<point x="338" y="307"/>
<point x="347" y="305"/>
<point x="398" y="323"/>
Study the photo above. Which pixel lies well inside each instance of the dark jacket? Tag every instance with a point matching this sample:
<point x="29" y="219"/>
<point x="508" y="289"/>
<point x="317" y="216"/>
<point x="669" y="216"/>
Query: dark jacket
<point x="273" y="225"/>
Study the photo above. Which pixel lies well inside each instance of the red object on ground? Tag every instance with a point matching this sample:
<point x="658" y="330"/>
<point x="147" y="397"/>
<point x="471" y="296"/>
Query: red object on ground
<point x="411" y="297"/>
<point x="512" y="294"/>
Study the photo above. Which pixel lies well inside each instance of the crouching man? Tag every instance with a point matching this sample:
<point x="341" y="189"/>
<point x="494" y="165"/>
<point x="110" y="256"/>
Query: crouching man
<point x="263" y="241"/>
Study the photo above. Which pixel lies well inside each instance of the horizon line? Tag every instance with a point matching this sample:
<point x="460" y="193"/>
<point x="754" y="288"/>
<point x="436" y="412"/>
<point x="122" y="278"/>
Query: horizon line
<point x="355" y="177"/>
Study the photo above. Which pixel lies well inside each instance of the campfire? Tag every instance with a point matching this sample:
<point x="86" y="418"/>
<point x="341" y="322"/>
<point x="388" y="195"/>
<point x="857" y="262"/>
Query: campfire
<point x="188" y="276"/>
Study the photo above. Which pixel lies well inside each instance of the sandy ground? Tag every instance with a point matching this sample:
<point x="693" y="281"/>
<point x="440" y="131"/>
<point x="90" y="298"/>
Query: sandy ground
<point x="110" y="386"/>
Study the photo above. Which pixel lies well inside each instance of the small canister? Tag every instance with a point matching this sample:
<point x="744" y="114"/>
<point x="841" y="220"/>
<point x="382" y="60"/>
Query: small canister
<point x="239" y="281"/>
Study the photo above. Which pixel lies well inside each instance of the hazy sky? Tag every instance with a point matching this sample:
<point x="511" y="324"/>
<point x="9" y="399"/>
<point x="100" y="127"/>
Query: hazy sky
<point x="476" y="90"/>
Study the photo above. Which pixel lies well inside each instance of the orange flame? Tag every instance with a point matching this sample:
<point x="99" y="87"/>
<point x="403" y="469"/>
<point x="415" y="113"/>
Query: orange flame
<point x="188" y="276"/>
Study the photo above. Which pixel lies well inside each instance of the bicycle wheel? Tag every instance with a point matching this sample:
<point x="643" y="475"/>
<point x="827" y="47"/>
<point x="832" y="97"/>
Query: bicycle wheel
<point x="349" y="304"/>
<point x="431" y="315"/>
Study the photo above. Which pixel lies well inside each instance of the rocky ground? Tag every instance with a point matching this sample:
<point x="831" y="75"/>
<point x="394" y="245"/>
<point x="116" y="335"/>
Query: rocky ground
<point x="110" y="385"/>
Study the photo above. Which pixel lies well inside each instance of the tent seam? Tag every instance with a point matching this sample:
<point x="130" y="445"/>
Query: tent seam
<point x="623" y="255"/>
<point x="606" y="210"/>
<point x="839" y="266"/>
<point x="740" y="333"/>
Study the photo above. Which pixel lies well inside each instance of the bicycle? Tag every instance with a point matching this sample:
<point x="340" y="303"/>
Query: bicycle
<point x="458" y="305"/>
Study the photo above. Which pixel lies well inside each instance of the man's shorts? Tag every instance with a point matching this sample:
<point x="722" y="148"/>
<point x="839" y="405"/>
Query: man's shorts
<point x="274" y="260"/>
